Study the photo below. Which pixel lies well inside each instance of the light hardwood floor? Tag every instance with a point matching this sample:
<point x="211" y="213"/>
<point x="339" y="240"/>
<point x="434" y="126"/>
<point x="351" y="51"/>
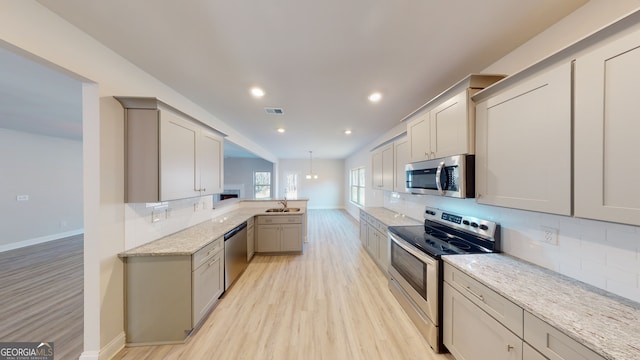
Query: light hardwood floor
<point x="330" y="303"/>
<point x="41" y="295"/>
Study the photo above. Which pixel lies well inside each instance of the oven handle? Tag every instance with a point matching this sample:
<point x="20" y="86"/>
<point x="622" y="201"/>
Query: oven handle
<point x="438" y="173"/>
<point x="411" y="250"/>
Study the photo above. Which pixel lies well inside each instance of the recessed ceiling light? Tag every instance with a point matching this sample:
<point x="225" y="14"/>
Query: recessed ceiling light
<point x="375" y="97"/>
<point x="347" y="132"/>
<point x="281" y="130"/>
<point x="257" y="92"/>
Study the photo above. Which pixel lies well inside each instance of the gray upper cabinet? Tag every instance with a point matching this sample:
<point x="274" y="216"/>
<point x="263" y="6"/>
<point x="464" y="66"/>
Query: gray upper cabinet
<point x="523" y="144"/>
<point x="169" y="155"/>
<point x="607" y="169"/>
<point x="445" y="125"/>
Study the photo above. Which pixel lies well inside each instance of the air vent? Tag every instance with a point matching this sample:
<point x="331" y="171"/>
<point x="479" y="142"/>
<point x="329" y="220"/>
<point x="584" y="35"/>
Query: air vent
<point x="274" y="111"/>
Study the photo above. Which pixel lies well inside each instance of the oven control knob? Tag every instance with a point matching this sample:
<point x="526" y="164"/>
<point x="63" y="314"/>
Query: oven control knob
<point x="474" y="225"/>
<point x="484" y="227"/>
<point x="466" y="222"/>
<point x="429" y="212"/>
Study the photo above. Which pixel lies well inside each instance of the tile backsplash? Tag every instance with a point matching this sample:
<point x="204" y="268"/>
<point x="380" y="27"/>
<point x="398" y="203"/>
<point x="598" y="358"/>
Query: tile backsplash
<point x="605" y="255"/>
<point x="147" y="222"/>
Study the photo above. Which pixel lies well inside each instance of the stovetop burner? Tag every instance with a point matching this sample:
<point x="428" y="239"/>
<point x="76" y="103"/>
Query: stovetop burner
<point x="445" y="234"/>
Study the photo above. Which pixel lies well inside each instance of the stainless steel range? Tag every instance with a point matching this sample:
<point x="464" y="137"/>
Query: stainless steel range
<point x="415" y="272"/>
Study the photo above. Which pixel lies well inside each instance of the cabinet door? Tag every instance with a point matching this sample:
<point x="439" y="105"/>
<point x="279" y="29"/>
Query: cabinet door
<point x="210" y="157"/>
<point x="383" y="250"/>
<point x="523" y="144"/>
<point x="291" y="237"/>
<point x="469" y="333"/>
<point x="268" y="238"/>
<point x="450" y="127"/>
<point x="419" y="135"/>
<point x="177" y="157"/>
<point x="388" y="169"/>
<point x="401" y="153"/>
<point x="363" y="230"/>
<point x="376" y="170"/>
<point x="607" y="169"/>
<point x="250" y="243"/>
<point x="372" y="241"/>
<point x="208" y="285"/>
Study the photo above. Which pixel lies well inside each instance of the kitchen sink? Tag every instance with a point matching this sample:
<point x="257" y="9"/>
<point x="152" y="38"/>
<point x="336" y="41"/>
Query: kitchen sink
<point x="283" y="210"/>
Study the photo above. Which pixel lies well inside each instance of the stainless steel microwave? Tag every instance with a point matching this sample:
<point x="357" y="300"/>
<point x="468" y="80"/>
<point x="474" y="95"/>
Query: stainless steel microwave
<point x="451" y="176"/>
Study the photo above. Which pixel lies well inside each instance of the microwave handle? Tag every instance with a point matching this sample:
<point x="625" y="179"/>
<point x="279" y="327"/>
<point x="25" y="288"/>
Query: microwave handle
<point x="438" y="173"/>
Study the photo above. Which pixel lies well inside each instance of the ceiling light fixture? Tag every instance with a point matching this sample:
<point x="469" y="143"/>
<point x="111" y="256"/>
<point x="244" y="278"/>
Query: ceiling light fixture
<point x="257" y="92"/>
<point x="311" y="175"/>
<point x="347" y="132"/>
<point x="375" y="97"/>
<point x="281" y="130"/>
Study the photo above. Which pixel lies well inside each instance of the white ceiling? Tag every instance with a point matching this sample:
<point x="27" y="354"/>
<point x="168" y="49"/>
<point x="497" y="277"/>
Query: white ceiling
<point x="318" y="60"/>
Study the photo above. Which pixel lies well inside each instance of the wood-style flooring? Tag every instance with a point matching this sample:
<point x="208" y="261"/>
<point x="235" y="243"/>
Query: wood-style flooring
<point x="332" y="302"/>
<point x="41" y="295"/>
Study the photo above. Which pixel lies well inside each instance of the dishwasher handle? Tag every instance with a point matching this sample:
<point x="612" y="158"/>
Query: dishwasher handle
<point x="235" y="230"/>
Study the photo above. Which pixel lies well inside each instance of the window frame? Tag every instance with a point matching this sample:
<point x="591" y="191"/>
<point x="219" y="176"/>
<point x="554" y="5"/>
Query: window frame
<point x="357" y="175"/>
<point x="256" y="184"/>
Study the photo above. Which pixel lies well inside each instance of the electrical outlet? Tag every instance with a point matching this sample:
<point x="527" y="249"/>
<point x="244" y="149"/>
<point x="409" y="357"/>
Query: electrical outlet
<point x="549" y="235"/>
<point x="155" y="216"/>
<point x="22" y="198"/>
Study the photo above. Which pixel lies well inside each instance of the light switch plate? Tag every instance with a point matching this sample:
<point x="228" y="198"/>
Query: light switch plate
<point x="22" y="198"/>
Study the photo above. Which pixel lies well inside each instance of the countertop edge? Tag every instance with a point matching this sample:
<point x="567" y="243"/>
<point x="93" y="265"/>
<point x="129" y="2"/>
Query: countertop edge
<point x="231" y="219"/>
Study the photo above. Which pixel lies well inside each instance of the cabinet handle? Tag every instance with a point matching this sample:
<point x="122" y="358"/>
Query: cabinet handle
<point x="479" y="296"/>
<point x="509" y="348"/>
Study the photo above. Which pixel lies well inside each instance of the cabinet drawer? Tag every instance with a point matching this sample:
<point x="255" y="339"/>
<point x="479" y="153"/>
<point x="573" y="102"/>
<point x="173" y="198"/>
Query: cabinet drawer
<point x="279" y="219"/>
<point x="552" y="343"/>
<point x="471" y="334"/>
<point x="377" y="224"/>
<point x="203" y="255"/>
<point x="501" y="309"/>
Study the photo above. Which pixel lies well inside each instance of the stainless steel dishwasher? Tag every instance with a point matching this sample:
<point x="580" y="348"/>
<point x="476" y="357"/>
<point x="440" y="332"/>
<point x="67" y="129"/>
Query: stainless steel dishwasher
<point x="235" y="254"/>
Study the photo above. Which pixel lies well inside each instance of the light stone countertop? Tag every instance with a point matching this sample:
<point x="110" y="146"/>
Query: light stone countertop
<point x="194" y="238"/>
<point x="389" y="217"/>
<point x="603" y="322"/>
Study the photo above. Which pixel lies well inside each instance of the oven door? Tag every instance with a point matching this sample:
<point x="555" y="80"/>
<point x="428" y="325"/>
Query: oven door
<point x="417" y="274"/>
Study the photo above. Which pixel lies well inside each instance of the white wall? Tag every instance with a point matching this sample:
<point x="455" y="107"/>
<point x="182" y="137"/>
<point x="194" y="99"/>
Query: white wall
<point x="239" y="171"/>
<point x="602" y="254"/>
<point x="326" y="192"/>
<point x="49" y="171"/>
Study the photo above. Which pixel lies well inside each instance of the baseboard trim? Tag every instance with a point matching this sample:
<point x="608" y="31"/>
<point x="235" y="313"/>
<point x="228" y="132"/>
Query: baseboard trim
<point x="89" y="355"/>
<point x="39" y="240"/>
<point x="113" y="347"/>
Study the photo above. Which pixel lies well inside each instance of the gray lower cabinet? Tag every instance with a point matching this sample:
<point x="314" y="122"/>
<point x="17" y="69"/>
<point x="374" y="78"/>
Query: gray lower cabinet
<point x="373" y="235"/>
<point x="279" y="233"/>
<point x="469" y="333"/>
<point x="251" y="243"/>
<point x="479" y="324"/>
<point x="166" y="297"/>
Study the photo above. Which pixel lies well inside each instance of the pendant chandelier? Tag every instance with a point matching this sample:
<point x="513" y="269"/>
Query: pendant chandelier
<point x="311" y="174"/>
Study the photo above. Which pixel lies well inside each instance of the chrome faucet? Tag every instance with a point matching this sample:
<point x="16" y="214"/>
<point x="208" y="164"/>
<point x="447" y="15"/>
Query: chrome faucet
<point x="283" y="203"/>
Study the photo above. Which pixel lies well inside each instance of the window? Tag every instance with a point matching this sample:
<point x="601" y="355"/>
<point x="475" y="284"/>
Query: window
<point x="262" y="184"/>
<point x="291" y="189"/>
<point x="357" y="186"/>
